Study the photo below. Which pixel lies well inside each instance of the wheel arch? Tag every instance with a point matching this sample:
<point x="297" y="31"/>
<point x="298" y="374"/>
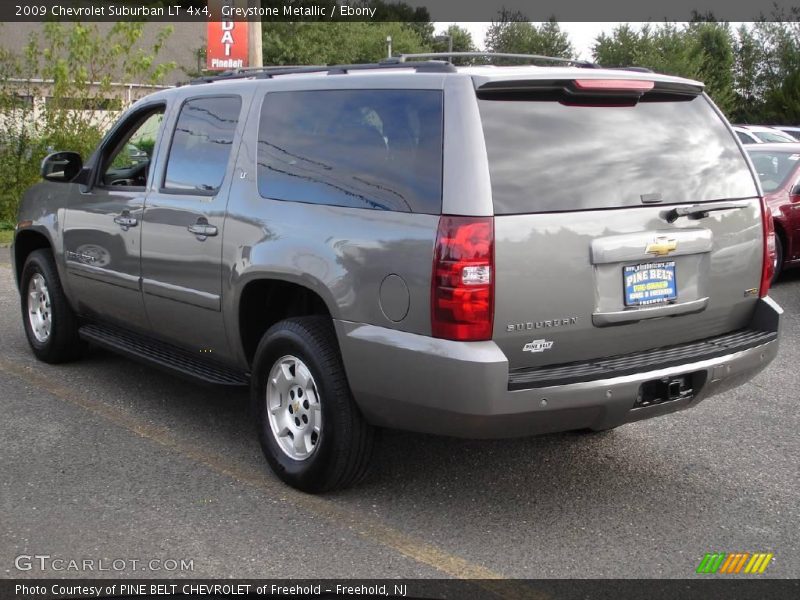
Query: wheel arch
<point x="264" y="301"/>
<point x="25" y="242"/>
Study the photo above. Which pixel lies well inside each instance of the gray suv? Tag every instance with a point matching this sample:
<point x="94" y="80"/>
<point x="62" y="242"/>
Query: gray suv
<point x="479" y="252"/>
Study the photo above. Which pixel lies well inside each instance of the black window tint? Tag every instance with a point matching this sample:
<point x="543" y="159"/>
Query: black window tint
<point x="202" y="143"/>
<point x="551" y="156"/>
<point x="378" y="149"/>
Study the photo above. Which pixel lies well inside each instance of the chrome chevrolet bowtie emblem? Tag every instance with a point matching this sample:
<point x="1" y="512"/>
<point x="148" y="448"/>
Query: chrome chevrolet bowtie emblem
<point x="661" y="246"/>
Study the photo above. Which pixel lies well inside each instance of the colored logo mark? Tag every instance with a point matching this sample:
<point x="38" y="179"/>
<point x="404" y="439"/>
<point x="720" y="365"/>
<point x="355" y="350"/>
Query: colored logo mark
<point x="661" y="246"/>
<point x="735" y="562"/>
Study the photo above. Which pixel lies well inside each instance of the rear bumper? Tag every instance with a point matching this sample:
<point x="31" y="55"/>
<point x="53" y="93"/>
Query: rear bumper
<point x="407" y="381"/>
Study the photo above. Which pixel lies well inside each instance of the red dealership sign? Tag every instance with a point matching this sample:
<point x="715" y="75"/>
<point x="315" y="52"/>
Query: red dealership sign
<point x="227" y="45"/>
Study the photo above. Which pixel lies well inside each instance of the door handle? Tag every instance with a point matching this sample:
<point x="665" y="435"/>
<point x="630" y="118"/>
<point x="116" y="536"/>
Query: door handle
<point x="202" y="229"/>
<point x="126" y="221"/>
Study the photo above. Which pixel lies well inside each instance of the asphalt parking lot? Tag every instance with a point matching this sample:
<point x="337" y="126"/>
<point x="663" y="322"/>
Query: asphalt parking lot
<point x="107" y="458"/>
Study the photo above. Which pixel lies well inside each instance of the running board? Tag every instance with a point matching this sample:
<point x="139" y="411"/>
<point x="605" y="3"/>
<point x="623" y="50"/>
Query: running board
<point x="162" y="355"/>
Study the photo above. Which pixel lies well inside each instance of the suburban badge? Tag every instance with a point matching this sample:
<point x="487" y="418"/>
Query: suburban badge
<point x="529" y="325"/>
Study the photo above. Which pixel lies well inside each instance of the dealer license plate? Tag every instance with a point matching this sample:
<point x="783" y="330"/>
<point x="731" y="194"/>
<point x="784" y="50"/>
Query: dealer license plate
<point x="649" y="283"/>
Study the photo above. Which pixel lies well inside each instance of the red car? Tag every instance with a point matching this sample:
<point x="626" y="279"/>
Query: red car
<point x="778" y="168"/>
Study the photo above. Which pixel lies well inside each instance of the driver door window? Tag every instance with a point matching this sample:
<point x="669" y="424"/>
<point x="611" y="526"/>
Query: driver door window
<point x="128" y="164"/>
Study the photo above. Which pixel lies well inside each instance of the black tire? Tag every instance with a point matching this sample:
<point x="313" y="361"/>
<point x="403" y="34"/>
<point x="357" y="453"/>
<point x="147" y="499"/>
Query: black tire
<point x="63" y="343"/>
<point x="341" y="456"/>
<point x="778" y="259"/>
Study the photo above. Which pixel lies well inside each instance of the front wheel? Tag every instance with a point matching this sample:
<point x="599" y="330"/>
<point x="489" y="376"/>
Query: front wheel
<point x="50" y="325"/>
<point x="311" y="431"/>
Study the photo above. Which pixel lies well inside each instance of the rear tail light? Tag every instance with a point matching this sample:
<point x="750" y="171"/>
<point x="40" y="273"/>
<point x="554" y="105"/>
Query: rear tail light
<point x="462" y="286"/>
<point x="770" y="251"/>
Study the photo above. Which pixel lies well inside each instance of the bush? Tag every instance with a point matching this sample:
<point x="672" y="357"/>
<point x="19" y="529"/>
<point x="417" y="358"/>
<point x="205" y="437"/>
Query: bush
<point x="81" y="63"/>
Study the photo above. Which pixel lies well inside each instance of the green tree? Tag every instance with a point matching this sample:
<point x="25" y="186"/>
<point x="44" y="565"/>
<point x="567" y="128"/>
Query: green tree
<point x="78" y="63"/>
<point x="711" y="48"/>
<point x="746" y="76"/>
<point x="513" y="34"/>
<point x="664" y="48"/>
<point x="622" y="47"/>
<point x="782" y="103"/>
<point x="461" y="42"/>
<point x="343" y="42"/>
<point x="766" y="64"/>
<point x="780" y="71"/>
<point x="322" y="41"/>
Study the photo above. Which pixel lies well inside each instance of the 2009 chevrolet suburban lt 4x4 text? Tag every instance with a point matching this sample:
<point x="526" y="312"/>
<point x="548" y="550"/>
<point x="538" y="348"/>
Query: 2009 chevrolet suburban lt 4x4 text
<point x="479" y="251"/>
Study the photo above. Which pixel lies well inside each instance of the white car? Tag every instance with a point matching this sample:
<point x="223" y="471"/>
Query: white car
<point x="755" y="134"/>
<point x="792" y="131"/>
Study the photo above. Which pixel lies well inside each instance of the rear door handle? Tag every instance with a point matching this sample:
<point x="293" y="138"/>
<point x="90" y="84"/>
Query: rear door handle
<point x="202" y="229"/>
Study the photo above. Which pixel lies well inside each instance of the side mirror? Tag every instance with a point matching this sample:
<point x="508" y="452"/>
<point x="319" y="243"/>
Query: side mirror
<point x="61" y="166"/>
<point x="795" y="190"/>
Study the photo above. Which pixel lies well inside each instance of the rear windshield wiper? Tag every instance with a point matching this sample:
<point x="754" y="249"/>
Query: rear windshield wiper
<point x="699" y="211"/>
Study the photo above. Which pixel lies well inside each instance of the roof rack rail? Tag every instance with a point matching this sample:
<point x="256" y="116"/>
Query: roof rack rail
<point x="428" y="66"/>
<point x="402" y="58"/>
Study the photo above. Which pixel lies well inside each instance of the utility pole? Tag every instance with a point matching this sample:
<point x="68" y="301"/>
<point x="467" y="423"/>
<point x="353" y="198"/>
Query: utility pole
<point x="254" y="42"/>
<point x="449" y="38"/>
<point x="388" y="46"/>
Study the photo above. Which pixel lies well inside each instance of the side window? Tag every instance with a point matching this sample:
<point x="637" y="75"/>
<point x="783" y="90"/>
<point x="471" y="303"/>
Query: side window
<point x="744" y="138"/>
<point x="376" y="149"/>
<point x="128" y="164"/>
<point x="201" y="145"/>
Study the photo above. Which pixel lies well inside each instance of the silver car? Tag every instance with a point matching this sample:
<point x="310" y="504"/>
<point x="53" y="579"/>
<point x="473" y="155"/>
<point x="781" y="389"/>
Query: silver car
<point x="479" y="251"/>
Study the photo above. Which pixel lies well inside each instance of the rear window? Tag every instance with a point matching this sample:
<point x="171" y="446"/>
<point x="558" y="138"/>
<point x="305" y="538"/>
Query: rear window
<point x="774" y="168"/>
<point x="375" y="149"/>
<point x="547" y="156"/>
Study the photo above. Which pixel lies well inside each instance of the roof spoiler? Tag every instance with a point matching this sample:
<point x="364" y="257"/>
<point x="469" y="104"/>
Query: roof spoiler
<point x="583" y="87"/>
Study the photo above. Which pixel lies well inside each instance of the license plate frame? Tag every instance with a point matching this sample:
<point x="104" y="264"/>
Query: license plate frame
<point x="650" y="283"/>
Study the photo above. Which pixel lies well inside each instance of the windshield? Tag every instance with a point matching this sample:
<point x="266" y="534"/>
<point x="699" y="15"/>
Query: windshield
<point x="547" y="156"/>
<point x="774" y="168"/>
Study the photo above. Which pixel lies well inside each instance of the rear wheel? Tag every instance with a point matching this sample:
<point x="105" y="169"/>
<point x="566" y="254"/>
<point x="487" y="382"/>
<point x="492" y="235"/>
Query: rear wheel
<point x="310" y="429"/>
<point x="50" y="325"/>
